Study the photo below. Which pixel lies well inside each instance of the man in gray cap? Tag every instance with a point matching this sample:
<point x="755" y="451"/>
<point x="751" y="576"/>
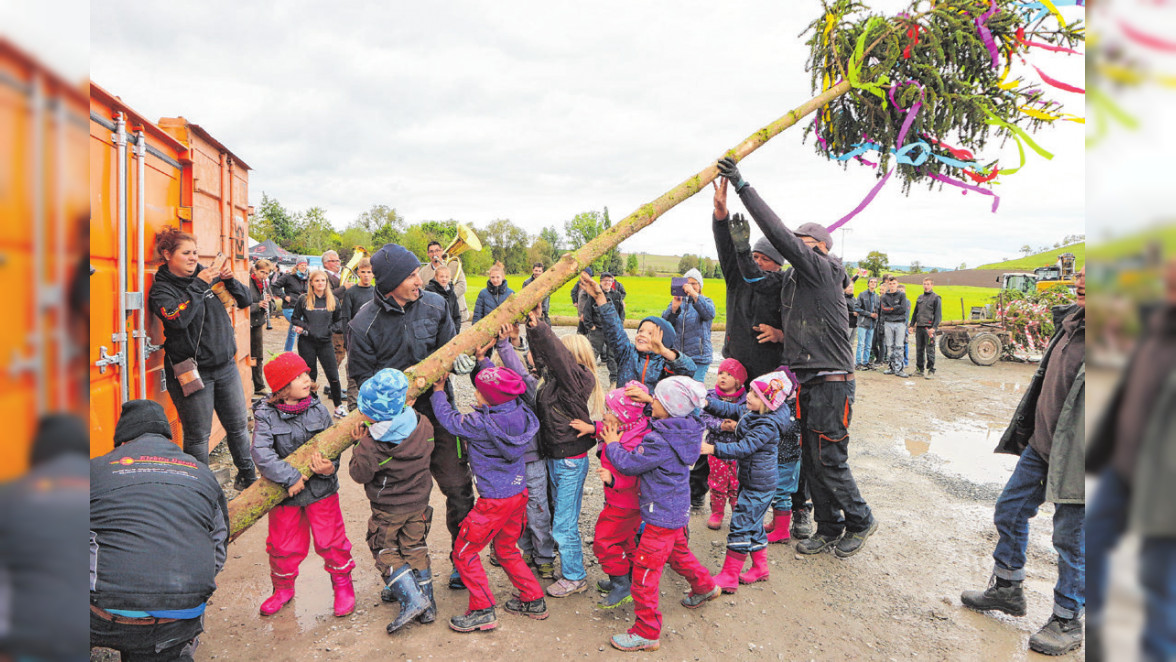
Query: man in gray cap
<point x="816" y="346"/>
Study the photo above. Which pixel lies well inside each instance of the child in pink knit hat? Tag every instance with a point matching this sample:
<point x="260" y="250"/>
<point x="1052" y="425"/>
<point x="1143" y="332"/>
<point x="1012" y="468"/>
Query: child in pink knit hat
<point x="723" y="479"/>
<point x="615" y="539"/>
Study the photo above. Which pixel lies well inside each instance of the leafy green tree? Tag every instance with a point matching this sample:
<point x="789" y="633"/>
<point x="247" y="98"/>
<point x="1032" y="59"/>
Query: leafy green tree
<point x="507" y="244"/>
<point x="555" y="242"/>
<point x="631" y="266"/>
<point x="876" y="262"/>
<point x="540" y="251"/>
<point x="687" y="262"/>
<point x="583" y="228"/>
<point x="352" y="237"/>
<point x="313" y="233"/>
<point x="916" y="267"/>
<point x="376" y="218"/>
<point x="272" y="221"/>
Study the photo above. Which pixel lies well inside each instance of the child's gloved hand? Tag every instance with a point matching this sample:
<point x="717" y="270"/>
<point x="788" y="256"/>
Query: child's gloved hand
<point x="464" y="364"/>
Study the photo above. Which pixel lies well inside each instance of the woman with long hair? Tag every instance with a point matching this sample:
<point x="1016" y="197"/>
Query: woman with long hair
<point x="317" y="315"/>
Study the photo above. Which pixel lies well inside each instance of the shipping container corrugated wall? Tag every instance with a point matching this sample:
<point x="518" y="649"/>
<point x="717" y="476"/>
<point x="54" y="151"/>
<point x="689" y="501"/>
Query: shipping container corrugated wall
<point x="44" y="205"/>
<point x="188" y="179"/>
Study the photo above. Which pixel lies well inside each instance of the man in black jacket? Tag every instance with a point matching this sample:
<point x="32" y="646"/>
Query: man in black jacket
<point x="537" y="271"/>
<point x="402" y="326"/>
<point x="158" y="530"/>
<point x="867" y="312"/>
<point x="816" y="347"/>
<point x="895" y="307"/>
<point x="925" y="321"/>
<point x="41" y="574"/>
<point x="288" y="287"/>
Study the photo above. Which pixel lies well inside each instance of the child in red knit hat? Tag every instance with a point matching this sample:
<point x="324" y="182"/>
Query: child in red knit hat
<point x="282" y="423"/>
<point x="723" y="480"/>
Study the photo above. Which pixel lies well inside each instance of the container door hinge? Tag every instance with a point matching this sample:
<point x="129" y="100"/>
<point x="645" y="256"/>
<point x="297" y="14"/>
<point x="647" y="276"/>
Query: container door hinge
<point x="105" y="359"/>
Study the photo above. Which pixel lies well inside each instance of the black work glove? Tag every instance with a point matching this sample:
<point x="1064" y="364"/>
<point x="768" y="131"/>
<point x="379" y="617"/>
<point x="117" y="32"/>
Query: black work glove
<point x="740" y="233"/>
<point x="728" y="169"/>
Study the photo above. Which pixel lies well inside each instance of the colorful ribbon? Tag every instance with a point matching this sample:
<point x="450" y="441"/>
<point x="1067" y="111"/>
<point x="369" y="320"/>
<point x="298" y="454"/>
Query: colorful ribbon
<point x="986" y="34"/>
<point x="967" y="187"/>
<point x="1147" y="40"/>
<point x="1057" y="83"/>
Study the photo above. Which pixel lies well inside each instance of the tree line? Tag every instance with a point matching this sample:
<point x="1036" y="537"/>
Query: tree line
<point x="309" y="232"/>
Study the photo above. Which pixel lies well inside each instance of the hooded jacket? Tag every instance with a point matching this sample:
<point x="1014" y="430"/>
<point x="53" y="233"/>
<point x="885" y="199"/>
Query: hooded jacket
<point x="158" y="527"/>
<point x="450" y="297"/>
<point x="894" y="307"/>
<point x="386" y="335"/>
<point x="277" y="434"/>
<point x="753" y="298"/>
<point x="192" y="313"/>
<point x="290" y="284"/>
<point x="396" y="477"/>
<point x="623" y="493"/>
<point x="497" y="439"/>
<point x="814" y="316"/>
<point x="662" y="464"/>
<point x="755" y="442"/>
<point x="714" y="423"/>
<point x="645" y="367"/>
<point x="510" y="359"/>
<point x="562" y="397"/>
<point x="692" y="322"/>
<point x="319" y="323"/>
<point x="490" y="298"/>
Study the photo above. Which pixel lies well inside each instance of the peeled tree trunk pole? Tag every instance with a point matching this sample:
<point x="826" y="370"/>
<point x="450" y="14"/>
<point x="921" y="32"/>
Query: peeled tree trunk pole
<point x="256" y="501"/>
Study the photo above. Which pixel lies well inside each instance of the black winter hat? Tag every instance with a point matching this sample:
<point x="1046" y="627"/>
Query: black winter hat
<point x="140" y="417"/>
<point x="58" y="434"/>
<point x="391" y="265"/>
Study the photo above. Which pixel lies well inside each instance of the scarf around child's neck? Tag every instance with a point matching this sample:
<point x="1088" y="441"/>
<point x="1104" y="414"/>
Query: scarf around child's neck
<point x="295" y="408"/>
<point x="730" y="397"/>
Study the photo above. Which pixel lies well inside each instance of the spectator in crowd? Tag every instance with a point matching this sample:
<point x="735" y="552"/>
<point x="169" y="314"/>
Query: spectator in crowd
<point x="1133" y="452"/>
<point x="925" y="321"/>
<point x="867" y="314"/>
<point x="615" y="294"/>
<point x="537" y="271"/>
<point x="152" y="569"/>
<point x="497" y="290"/>
<point x="442" y="286"/>
<point x="692" y="316"/>
<point x="354" y="298"/>
<point x="317" y="315"/>
<point x="581" y="327"/>
<point x="400" y="328"/>
<point x="1048" y="432"/>
<point x="288" y="288"/>
<point x="259" y="312"/>
<point x="334" y="268"/>
<point x="200" y="340"/>
<point x="456" y="275"/>
<point x="592" y="322"/>
<point x="895" y="309"/>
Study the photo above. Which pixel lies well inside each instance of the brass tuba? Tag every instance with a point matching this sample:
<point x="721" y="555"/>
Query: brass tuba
<point x="465" y="240"/>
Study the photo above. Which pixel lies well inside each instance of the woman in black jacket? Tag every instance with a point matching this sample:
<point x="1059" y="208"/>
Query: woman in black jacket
<point x="317" y="314"/>
<point x="288" y="287"/>
<point x="259" y="312"/>
<point x="197" y="326"/>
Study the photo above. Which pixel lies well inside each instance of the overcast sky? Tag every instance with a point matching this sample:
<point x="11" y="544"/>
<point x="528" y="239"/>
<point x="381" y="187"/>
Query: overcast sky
<point x="537" y="111"/>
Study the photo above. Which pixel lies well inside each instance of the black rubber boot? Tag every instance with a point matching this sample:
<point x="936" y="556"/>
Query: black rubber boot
<point x="481" y="619"/>
<point x="1058" y="636"/>
<point x="412" y="602"/>
<point x="802" y="523"/>
<point x="424" y="580"/>
<point x="1002" y="595"/>
<point x="619" y="593"/>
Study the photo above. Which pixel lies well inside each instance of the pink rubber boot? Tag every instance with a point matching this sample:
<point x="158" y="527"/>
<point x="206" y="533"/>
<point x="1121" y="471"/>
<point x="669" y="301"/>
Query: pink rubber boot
<point x="728" y="577"/>
<point x="782" y="520"/>
<point x="283" y="593"/>
<point x="344" y="593"/>
<point x="758" y="572"/>
<point x="718" y="503"/>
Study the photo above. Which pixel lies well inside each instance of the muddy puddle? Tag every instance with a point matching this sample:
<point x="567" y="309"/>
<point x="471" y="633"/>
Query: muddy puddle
<point x="961" y="448"/>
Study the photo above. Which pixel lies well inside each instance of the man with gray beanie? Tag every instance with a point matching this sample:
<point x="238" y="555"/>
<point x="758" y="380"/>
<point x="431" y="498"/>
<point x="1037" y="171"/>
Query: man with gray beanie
<point x="401" y="326"/>
<point x="816" y="346"/>
<point x="158" y="532"/>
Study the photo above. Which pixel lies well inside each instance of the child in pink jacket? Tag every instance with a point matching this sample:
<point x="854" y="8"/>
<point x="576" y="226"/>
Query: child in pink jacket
<point x="615" y="539"/>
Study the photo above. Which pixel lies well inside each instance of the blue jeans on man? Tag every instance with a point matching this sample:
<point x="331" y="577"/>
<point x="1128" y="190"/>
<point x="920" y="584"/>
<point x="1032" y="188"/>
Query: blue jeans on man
<point x="567" y="477"/>
<point x="536" y="539"/>
<point x="865" y="339"/>
<point x="1018" y="503"/>
<point x="1105" y="525"/>
<point x="291" y="335"/>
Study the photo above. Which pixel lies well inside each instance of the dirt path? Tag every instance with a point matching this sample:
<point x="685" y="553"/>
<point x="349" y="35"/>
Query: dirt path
<point x="921" y="454"/>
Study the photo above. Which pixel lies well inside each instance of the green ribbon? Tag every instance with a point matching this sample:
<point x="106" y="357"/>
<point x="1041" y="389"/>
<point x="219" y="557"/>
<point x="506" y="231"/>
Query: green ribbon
<point x="1019" y="135"/>
<point x="854" y="70"/>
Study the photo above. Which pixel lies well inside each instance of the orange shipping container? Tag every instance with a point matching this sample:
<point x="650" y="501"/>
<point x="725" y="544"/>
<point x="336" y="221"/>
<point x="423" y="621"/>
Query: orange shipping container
<point x="143" y="176"/>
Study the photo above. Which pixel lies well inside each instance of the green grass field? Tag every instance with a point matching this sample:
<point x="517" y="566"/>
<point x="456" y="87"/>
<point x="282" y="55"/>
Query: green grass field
<point x="650" y="296"/>
<point x="1041" y="259"/>
<point x="1136" y="243"/>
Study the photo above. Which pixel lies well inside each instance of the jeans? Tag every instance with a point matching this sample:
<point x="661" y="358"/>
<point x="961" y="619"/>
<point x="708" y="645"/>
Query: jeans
<point x="747" y="522"/>
<point x="865" y="338"/>
<point x="700" y="371"/>
<point x="223" y="394"/>
<point x="896" y="333"/>
<point x="1105" y="524"/>
<point x="924" y="346"/>
<point x="789" y="477"/>
<point x="167" y="642"/>
<point x="257" y="352"/>
<point x="1017" y="504"/>
<point x="536" y="539"/>
<point x="826" y="409"/>
<point x="291" y="336"/>
<point x="567" y="477"/>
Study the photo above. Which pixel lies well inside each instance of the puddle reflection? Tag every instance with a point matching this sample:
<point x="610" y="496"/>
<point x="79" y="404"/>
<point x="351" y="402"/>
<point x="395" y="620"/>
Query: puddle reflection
<point x="964" y="449"/>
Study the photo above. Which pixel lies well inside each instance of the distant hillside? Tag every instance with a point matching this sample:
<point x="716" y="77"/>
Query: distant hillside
<point x="1041" y="259"/>
<point x="1136" y="243"/>
<point x="663" y="264"/>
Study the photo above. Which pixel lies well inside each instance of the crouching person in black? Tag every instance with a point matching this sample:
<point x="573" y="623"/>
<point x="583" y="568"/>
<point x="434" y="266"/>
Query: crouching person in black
<point x="158" y="532"/>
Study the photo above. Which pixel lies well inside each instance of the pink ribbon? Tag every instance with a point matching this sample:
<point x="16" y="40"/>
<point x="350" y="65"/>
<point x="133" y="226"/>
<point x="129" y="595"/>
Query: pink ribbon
<point x="1144" y="39"/>
<point x="863" y="204"/>
<point x="968" y="187"/>
<point x="1057" y="83"/>
<point x="986" y="34"/>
